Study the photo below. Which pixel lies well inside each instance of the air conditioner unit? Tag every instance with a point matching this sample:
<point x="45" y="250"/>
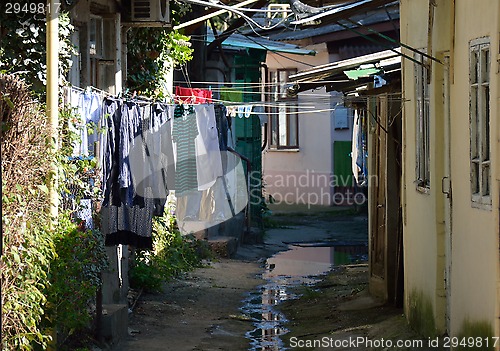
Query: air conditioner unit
<point x="280" y="11"/>
<point x="146" y="13"/>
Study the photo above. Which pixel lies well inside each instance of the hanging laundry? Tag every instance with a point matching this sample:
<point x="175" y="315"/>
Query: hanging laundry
<point x="184" y="133"/>
<point x="86" y="107"/>
<point x="208" y="155"/>
<point x="230" y="94"/>
<point x="241" y="111"/>
<point x="129" y="225"/>
<point x="122" y="125"/>
<point x="151" y="157"/>
<point x="193" y="96"/>
<point x="232" y="111"/>
<point x="135" y="157"/>
<point x="358" y="154"/>
<point x="248" y="111"/>
<point x="222" y="124"/>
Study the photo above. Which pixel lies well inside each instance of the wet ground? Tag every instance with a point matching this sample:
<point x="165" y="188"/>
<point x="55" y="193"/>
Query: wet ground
<point x="252" y="302"/>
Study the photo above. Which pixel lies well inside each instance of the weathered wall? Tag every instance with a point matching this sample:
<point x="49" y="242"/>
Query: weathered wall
<point x="474" y="244"/>
<point x="475" y="231"/>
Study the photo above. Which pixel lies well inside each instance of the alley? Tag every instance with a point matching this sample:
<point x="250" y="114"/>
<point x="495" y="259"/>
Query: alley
<point x="204" y="310"/>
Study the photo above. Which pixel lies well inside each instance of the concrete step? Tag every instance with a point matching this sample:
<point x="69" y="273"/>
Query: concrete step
<point x="224" y="246"/>
<point x="114" y="323"/>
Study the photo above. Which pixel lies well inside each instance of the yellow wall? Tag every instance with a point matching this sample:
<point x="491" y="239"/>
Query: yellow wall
<point x="475" y="231"/>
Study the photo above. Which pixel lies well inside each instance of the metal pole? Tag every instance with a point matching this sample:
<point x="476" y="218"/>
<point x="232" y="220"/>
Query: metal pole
<point x="52" y="47"/>
<point x="52" y="100"/>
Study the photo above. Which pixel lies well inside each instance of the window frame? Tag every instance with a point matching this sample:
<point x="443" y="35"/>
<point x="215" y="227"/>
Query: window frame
<point x="479" y="122"/>
<point x="282" y="112"/>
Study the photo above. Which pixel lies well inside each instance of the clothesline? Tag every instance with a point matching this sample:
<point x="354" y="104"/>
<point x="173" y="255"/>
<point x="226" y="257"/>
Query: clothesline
<point x="102" y="92"/>
<point x="296" y="108"/>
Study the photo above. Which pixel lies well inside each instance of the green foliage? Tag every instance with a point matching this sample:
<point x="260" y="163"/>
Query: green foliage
<point x="24" y="264"/>
<point x="23" y="40"/>
<point x="34" y="256"/>
<point x="78" y="178"/>
<point x="152" y="52"/>
<point x="27" y="242"/>
<point x="178" y="10"/>
<point x="74" y="276"/>
<point x="173" y="254"/>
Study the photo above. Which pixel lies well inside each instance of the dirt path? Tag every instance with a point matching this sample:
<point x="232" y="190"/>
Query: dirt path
<point x="201" y="310"/>
<point x="197" y="312"/>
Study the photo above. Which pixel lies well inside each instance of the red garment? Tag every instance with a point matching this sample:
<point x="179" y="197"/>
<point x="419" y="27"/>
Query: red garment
<point x="193" y="96"/>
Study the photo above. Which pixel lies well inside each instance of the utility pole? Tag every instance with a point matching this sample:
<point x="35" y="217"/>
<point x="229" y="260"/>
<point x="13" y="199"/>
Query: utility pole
<point x="52" y="47"/>
<point x="52" y="50"/>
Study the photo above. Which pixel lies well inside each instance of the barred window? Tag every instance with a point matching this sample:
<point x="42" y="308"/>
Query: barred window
<point x="479" y="121"/>
<point x="283" y="122"/>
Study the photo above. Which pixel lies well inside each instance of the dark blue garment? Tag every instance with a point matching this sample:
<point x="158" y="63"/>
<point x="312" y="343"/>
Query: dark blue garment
<point x="222" y="125"/>
<point x="109" y="141"/>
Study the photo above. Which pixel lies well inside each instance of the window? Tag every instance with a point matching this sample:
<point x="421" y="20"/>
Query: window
<point x="479" y="120"/>
<point x="283" y="122"/>
<point x="422" y="123"/>
<point x="96" y="36"/>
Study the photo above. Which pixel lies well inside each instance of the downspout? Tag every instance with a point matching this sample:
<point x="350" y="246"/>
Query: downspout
<point x="266" y="91"/>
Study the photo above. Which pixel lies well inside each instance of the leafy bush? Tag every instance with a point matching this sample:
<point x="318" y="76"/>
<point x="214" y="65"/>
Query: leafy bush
<point x="150" y="54"/>
<point x="27" y="243"/>
<point x="22" y="44"/>
<point x="74" y="277"/>
<point x="173" y="254"/>
<point x="29" y="263"/>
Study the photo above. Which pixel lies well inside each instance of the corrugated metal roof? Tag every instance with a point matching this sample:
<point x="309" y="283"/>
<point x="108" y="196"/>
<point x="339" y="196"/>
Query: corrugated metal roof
<point x="365" y="19"/>
<point x="241" y="41"/>
<point x="341" y="12"/>
<point x="387" y="57"/>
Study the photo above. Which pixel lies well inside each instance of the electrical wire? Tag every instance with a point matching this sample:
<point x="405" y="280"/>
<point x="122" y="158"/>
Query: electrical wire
<point x="237" y="11"/>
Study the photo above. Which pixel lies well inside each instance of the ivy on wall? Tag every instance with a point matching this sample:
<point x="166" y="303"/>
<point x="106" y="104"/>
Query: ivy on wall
<point x="152" y="52"/>
<point x="23" y="40"/>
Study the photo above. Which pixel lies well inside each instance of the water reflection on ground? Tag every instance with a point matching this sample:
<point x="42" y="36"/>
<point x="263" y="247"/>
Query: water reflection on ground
<point x="303" y="263"/>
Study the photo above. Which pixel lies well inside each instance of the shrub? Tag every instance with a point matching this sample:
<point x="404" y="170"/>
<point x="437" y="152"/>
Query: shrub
<point x="27" y="244"/>
<point x="173" y="254"/>
<point x="74" y="277"/>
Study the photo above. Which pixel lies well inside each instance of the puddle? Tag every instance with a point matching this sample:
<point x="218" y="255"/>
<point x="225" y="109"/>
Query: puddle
<point x="302" y="264"/>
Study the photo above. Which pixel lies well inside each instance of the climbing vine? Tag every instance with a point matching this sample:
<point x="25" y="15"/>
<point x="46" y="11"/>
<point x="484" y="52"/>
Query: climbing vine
<point x="152" y="52"/>
<point x="23" y="39"/>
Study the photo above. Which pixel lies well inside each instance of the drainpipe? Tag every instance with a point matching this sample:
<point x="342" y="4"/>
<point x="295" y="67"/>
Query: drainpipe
<point x="52" y="101"/>
<point x="266" y="91"/>
<point x="52" y="48"/>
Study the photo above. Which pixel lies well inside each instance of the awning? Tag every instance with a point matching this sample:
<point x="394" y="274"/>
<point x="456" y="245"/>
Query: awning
<point x="331" y="69"/>
<point x="240" y="41"/>
<point x="348" y="75"/>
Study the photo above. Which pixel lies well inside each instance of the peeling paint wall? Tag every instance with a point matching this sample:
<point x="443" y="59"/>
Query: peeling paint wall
<point x="474" y="255"/>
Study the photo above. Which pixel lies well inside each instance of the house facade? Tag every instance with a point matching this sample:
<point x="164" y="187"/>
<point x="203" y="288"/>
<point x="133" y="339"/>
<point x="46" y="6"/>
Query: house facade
<point x="307" y="159"/>
<point x="450" y="166"/>
<point x="298" y="158"/>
